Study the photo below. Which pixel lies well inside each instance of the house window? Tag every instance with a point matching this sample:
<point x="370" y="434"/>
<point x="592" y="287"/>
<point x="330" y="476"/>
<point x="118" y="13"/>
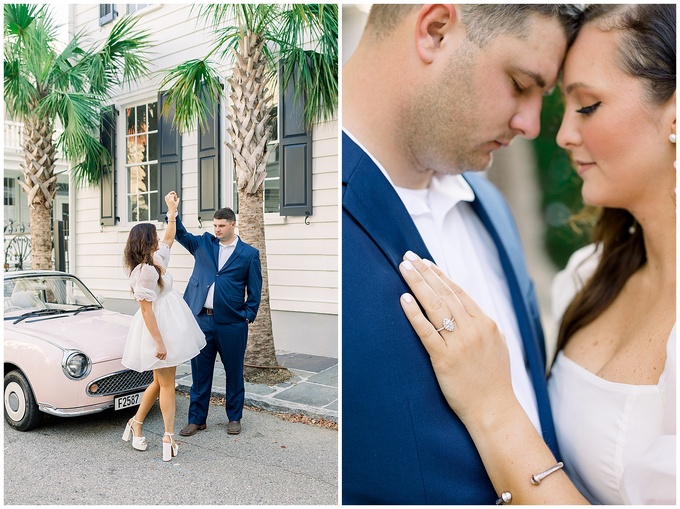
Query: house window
<point x="141" y="162"/>
<point x="107" y="13"/>
<point x="135" y="7"/>
<point x="10" y="190"/>
<point x="271" y="181"/>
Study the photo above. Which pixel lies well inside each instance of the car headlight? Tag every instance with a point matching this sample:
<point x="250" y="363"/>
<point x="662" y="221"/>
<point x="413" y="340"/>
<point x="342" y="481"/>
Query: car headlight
<point x="76" y="365"/>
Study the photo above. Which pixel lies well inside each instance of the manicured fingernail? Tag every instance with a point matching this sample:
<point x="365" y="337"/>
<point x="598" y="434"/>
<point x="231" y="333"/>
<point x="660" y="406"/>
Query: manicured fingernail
<point x="427" y="262"/>
<point x="407" y="265"/>
<point x="407" y="298"/>
<point x="410" y="255"/>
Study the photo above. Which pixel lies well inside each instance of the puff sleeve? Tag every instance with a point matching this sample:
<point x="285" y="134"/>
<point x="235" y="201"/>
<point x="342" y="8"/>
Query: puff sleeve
<point x="144" y="280"/>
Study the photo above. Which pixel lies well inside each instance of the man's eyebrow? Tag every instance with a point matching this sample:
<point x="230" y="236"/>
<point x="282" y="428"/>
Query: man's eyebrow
<point x="540" y="81"/>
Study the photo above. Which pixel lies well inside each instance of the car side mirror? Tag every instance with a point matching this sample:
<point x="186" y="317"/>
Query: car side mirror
<point x="101" y="298"/>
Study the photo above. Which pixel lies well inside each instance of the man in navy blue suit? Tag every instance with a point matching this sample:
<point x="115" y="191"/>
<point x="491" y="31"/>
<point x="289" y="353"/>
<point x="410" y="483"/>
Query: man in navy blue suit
<point x="429" y="94"/>
<point x="224" y="294"/>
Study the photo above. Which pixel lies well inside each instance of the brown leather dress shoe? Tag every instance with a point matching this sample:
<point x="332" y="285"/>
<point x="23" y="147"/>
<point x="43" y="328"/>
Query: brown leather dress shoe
<point x="234" y="427"/>
<point x="191" y="429"/>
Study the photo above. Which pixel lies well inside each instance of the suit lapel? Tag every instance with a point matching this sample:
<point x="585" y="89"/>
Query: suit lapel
<point x="374" y="204"/>
<point x="216" y="252"/>
<point x="237" y="251"/>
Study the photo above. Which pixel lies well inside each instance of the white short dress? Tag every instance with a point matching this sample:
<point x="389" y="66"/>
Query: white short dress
<point x="181" y="334"/>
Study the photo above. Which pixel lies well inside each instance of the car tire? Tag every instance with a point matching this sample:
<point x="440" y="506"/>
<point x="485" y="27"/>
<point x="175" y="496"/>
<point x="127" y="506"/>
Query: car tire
<point x="21" y="410"/>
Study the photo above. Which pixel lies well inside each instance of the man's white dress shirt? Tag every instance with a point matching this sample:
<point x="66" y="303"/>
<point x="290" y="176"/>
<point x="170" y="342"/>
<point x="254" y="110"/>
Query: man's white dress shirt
<point x="464" y="250"/>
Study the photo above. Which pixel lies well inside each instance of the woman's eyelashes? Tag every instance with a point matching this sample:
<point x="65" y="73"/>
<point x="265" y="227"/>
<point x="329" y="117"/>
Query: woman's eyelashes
<point x="587" y="110"/>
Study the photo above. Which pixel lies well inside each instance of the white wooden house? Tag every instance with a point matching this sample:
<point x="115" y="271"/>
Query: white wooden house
<point x="302" y="250"/>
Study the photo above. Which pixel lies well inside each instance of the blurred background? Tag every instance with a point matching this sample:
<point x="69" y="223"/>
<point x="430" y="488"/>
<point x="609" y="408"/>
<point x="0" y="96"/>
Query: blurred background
<point x="535" y="177"/>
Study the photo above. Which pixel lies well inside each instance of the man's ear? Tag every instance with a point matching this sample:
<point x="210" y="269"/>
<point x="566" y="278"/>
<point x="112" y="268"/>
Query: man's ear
<point x="433" y="23"/>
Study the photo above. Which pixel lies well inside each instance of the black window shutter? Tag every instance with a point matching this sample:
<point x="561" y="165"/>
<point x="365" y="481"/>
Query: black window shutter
<point x="295" y="154"/>
<point x="107" y="13"/>
<point x="209" y="165"/>
<point x="107" y="137"/>
<point x="169" y="157"/>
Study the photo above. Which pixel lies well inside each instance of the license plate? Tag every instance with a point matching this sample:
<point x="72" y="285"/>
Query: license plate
<point x="127" y="401"/>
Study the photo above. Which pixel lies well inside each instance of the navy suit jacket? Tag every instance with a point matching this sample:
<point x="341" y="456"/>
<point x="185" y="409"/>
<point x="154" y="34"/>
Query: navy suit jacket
<point x="238" y="284"/>
<point x="401" y="442"/>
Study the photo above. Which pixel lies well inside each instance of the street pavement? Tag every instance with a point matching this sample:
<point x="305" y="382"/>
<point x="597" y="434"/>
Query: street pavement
<point x="83" y="461"/>
<point x="312" y="392"/>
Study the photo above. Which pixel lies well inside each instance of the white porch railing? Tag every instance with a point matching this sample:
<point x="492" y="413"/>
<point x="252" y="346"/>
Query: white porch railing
<point x="14" y="137"/>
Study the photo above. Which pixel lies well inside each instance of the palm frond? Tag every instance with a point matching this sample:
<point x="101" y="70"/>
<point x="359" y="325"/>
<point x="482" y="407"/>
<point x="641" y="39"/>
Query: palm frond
<point x="195" y="85"/>
<point x="89" y="169"/>
<point x="121" y="59"/>
<point x="19" y="17"/>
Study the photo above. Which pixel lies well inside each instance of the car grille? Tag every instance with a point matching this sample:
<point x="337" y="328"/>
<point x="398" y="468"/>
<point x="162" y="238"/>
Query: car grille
<point x="117" y="383"/>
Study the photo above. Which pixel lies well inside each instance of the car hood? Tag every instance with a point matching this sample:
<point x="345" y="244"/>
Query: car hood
<point x="100" y="334"/>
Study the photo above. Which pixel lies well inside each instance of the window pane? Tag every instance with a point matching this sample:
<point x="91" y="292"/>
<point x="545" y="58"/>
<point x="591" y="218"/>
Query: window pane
<point x="154" y="203"/>
<point x="153" y="177"/>
<point x="271" y="198"/>
<point x="153" y="123"/>
<point x="130" y="120"/>
<point x="152" y="148"/>
<point x="141" y="119"/>
<point x="135" y="149"/>
<point x="132" y="211"/>
<point x="9" y="191"/>
<point x="143" y="207"/>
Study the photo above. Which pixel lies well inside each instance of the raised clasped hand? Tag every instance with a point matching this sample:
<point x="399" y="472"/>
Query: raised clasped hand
<point x="172" y="201"/>
<point x="468" y="353"/>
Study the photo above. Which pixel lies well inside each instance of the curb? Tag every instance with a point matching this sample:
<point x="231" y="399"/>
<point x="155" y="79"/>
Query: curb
<point x="273" y="405"/>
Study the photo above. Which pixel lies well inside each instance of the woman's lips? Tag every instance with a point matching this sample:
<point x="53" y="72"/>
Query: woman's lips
<point x="582" y="166"/>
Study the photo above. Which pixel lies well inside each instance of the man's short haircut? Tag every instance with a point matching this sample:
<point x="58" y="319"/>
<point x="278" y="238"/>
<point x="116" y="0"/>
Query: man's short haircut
<point x="225" y="213"/>
<point x="384" y="18"/>
<point x="484" y="22"/>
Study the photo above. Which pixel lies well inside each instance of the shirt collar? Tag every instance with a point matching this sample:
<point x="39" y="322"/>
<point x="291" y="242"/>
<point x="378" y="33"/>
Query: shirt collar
<point x="444" y="190"/>
<point x="231" y="244"/>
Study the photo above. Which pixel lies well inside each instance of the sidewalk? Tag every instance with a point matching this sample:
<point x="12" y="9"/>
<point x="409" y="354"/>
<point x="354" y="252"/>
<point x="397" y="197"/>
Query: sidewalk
<point x="313" y="390"/>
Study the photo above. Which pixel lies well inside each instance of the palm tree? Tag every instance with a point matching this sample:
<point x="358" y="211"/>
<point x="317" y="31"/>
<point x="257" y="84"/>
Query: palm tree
<point x="301" y="39"/>
<point x="44" y="86"/>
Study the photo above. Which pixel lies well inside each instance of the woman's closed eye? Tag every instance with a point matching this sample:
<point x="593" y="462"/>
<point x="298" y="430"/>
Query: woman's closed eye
<point x="587" y="110"/>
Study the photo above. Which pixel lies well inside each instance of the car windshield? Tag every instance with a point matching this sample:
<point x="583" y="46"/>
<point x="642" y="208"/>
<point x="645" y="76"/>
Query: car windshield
<point x="41" y="293"/>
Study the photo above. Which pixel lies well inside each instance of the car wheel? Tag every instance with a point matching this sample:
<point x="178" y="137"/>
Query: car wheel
<point x="21" y="410"/>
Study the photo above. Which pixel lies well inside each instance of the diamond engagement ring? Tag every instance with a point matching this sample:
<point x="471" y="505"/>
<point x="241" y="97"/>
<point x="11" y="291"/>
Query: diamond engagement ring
<point x="448" y="324"/>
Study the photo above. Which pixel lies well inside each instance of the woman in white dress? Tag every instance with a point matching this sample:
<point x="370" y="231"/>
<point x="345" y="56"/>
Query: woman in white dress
<point x="612" y="384"/>
<point x="163" y="333"/>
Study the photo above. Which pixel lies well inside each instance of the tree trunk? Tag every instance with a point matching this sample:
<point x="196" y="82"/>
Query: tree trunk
<point x="40" y="185"/>
<point x="248" y="116"/>
<point x="260" y="351"/>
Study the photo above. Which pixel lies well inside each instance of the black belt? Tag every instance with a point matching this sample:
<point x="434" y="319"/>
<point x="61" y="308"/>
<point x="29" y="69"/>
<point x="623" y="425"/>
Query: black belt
<point x="208" y="311"/>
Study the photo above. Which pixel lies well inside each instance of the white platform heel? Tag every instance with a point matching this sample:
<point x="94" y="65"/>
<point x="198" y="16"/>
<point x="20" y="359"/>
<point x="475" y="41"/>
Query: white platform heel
<point x="169" y="448"/>
<point x="138" y="443"/>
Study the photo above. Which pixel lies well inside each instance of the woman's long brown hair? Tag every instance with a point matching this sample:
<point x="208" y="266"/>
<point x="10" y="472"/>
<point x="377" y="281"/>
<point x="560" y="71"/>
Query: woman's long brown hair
<point x="623" y="253"/>
<point x="647" y="50"/>
<point x="140" y="247"/>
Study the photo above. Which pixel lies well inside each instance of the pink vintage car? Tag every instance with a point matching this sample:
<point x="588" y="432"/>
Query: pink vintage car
<point x="63" y="351"/>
